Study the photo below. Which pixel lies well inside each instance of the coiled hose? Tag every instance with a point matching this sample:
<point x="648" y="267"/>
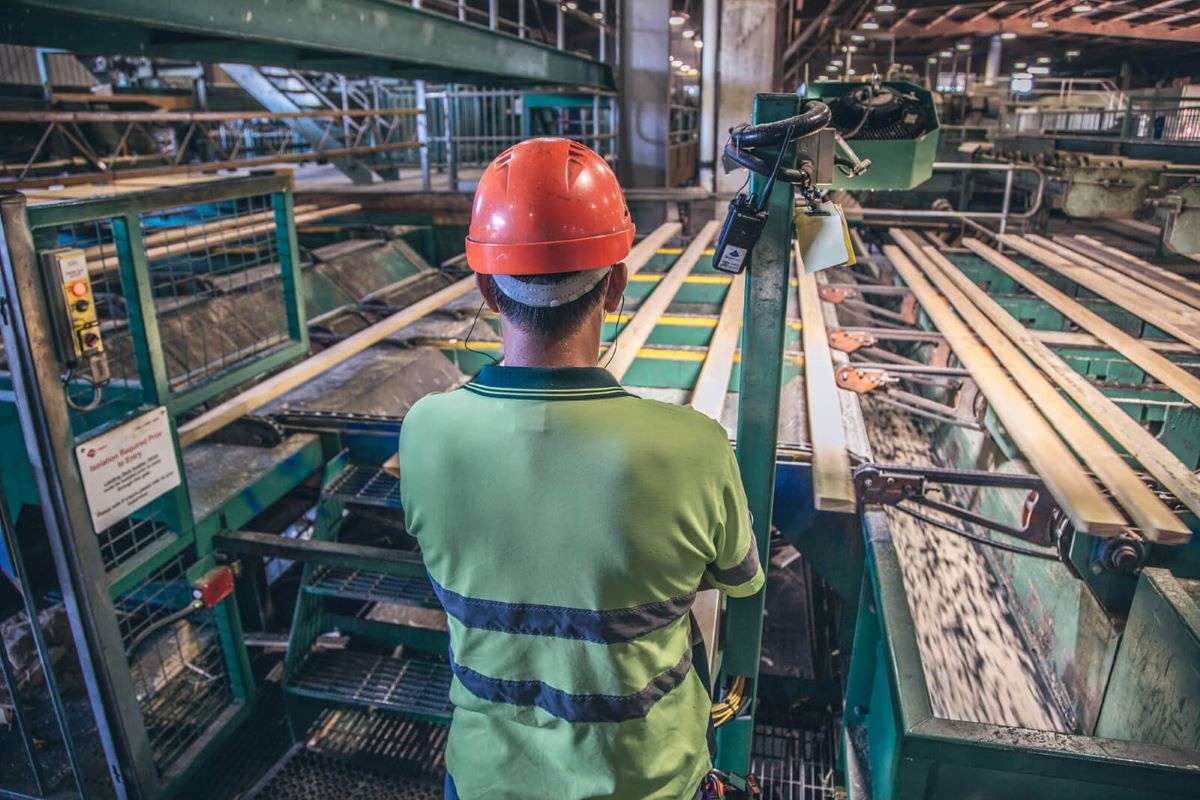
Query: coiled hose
<point x="744" y="139"/>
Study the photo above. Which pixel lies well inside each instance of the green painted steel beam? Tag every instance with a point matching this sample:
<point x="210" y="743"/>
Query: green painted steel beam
<point x="760" y="380"/>
<point x="375" y="37"/>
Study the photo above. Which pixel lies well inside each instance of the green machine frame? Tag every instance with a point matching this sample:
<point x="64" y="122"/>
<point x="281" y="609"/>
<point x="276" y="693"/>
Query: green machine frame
<point x="167" y="543"/>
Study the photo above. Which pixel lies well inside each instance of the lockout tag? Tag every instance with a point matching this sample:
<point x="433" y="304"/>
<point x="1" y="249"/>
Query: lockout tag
<point x="824" y="237"/>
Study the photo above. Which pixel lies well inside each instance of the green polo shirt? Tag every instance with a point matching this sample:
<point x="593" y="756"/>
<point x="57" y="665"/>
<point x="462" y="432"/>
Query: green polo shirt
<point x="566" y="526"/>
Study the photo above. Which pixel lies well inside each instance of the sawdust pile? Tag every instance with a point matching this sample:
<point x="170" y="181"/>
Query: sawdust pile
<point x="977" y="665"/>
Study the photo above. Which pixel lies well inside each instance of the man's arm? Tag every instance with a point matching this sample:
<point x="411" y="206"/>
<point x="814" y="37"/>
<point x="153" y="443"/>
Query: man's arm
<point x="735" y="570"/>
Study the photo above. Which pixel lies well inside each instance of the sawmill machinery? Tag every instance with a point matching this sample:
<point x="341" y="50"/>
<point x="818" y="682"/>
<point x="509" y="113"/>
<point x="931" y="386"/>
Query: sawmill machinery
<point x="208" y="396"/>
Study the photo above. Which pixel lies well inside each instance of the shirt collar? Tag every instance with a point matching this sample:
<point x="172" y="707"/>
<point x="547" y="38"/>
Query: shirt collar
<point x="546" y="383"/>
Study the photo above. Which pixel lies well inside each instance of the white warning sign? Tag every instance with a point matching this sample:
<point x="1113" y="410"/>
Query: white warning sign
<point x="127" y="467"/>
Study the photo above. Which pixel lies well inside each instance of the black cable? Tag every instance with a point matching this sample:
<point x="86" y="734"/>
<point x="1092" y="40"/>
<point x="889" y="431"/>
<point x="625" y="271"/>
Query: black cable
<point x="195" y="605"/>
<point x="975" y="537"/>
<point x="612" y="347"/>
<point x="467" y="342"/>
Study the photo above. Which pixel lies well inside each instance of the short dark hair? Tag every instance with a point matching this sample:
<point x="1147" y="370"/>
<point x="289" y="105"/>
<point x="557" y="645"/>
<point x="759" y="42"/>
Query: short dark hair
<point x="550" y="321"/>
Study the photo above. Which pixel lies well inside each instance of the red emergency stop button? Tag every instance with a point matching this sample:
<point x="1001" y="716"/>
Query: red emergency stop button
<point x="79" y="288"/>
<point x="213" y="586"/>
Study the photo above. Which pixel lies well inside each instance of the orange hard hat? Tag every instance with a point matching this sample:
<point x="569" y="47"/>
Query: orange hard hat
<point x="545" y="206"/>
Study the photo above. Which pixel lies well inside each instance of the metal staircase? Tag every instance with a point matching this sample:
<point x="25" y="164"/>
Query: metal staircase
<point x="279" y="89"/>
<point x="385" y="667"/>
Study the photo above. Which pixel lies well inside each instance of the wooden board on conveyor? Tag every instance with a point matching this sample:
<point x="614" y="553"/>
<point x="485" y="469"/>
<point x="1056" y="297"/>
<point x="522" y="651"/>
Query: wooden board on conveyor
<point x="1078" y="496"/>
<point x="1150" y="305"/>
<point x="1157" y="522"/>
<point x="833" y="485"/>
<point x="1171" y="375"/>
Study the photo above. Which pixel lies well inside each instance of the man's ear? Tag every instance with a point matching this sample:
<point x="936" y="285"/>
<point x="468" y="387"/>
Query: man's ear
<point x="485" y="289"/>
<point x="618" y="279"/>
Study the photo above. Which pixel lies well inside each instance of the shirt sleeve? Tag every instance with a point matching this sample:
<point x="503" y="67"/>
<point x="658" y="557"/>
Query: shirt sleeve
<point x="735" y="570"/>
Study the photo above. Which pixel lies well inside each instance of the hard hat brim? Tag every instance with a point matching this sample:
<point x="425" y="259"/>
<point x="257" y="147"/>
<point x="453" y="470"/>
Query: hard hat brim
<point x="547" y="258"/>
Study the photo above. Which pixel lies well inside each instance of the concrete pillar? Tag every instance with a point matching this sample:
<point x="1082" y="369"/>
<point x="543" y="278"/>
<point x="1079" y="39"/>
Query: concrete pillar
<point x="991" y="69"/>
<point x="644" y="95"/>
<point x="745" y="66"/>
<point x="709" y="136"/>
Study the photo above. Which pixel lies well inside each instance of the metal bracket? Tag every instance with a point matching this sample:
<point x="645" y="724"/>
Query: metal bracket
<point x="849" y="341"/>
<point x="861" y="381"/>
<point x="890" y="484"/>
<point x="835" y="294"/>
<point x="874" y="486"/>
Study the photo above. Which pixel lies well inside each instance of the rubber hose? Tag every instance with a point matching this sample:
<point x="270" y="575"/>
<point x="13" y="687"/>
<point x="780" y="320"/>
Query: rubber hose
<point x="815" y="116"/>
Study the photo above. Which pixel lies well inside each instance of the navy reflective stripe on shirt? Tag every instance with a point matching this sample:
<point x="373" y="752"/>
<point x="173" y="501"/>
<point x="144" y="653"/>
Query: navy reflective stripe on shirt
<point x="604" y="627"/>
<point x="574" y="708"/>
<point x="741" y="572"/>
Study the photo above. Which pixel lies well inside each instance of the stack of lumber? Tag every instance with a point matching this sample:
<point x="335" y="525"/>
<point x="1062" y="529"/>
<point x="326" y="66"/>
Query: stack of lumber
<point x="1024" y="380"/>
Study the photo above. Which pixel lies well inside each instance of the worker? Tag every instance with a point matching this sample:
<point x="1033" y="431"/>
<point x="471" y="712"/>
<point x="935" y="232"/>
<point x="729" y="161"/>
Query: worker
<point x="565" y="523"/>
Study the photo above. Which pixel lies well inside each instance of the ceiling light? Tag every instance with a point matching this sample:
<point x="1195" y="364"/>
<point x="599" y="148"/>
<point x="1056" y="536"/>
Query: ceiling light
<point x="1039" y="70"/>
<point x="1081" y="8"/>
<point x="697" y="44"/>
<point x="852" y="48"/>
<point x="946" y="54"/>
<point x="1074" y="53"/>
<point x="677" y="18"/>
<point x="831" y="68"/>
<point x="1039" y="24"/>
<point x="688" y="33"/>
<point x="962" y="47"/>
<point x="684" y="67"/>
<point x="1020" y="65"/>
<point x="857" y="37"/>
<point x="1043" y="59"/>
<point x="932" y="59"/>
<point x="869" y="24"/>
<point x="675" y="62"/>
<point x="837" y="62"/>
<point x="1008" y="36"/>
<point x="851" y="72"/>
<point x="596" y="15"/>
<point x="885" y="8"/>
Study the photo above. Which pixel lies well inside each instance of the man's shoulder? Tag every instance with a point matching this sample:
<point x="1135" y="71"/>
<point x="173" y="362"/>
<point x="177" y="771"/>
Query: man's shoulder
<point x="678" y="417"/>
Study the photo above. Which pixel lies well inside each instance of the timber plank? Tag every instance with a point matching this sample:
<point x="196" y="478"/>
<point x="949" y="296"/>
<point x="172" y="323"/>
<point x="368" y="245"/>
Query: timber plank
<point x="1179" y="311"/>
<point x="1162" y="313"/>
<point x="1177" y="286"/>
<point x="708" y="395"/>
<point x="256" y="397"/>
<point x="645" y="250"/>
<point x="1078" y="496"/>
<point x="833" y="483"/>
<point x="1173" y="376"/>
<point x="635" y="333"/>
<point x="1000" y="332"/>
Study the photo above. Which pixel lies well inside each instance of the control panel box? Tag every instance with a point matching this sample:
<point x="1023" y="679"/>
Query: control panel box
<point x="73" y="305"/>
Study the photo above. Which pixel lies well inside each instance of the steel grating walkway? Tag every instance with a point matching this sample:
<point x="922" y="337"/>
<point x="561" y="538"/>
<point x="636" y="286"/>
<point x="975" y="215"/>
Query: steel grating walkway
<point x="365" y="486"/>
<point x="374" y="587"/>
<point x="306" y="773"/>
<point x="405" y="685"/>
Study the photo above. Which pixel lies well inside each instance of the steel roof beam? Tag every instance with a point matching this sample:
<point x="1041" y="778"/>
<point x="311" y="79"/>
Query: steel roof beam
<point x="345" y="35"/>
<point x="1024" y="25"/>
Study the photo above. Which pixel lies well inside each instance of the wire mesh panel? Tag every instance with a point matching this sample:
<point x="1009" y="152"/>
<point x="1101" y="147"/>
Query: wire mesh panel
<point x="175" y="659"/>
<point x="793" y="757"/>
<point x="218" y="286"/>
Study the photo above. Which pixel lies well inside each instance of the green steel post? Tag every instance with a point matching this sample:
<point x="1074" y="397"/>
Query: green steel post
<point x="758" y="425"/>
<point x="289" y="261"/>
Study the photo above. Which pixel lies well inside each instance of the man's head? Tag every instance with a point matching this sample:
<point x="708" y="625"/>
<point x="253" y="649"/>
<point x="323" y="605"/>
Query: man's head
<point x="549" y="230"/>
